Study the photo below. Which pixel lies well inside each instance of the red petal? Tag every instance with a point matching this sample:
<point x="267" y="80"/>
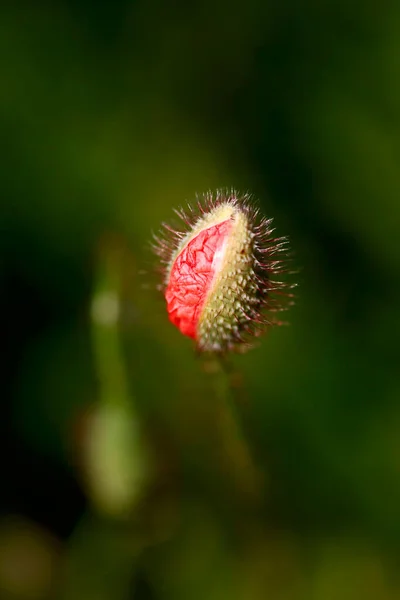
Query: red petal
<point x="191" y="277"/>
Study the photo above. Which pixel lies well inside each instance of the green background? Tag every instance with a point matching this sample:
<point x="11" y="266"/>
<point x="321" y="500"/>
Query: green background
<point x="113" y="114"/>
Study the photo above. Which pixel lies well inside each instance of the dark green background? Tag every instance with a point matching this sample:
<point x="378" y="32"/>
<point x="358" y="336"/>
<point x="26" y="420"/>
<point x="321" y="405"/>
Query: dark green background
<point x="112" y="114"/>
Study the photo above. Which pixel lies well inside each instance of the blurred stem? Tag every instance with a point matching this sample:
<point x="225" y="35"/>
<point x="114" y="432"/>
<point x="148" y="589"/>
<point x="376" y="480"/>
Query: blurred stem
<point x="235" y="458"/>
<point x="115" y="466"/>
<point x="115" y="460"/>
<point x="106" y="309"/>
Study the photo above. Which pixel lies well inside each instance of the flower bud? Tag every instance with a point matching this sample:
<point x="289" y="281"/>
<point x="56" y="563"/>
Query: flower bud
<point x="219" y="274"/>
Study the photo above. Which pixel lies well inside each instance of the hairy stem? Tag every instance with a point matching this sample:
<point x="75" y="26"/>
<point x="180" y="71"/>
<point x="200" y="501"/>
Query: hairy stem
<point x="234" y="454"/>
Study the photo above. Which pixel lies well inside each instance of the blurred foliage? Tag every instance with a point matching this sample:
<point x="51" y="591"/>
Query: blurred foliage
<point x="126" y="471"/>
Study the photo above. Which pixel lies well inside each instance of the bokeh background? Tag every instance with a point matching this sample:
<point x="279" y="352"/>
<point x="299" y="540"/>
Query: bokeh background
<point x="128" y="469"/>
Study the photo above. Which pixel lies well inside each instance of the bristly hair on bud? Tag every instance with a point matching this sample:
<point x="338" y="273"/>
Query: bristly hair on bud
<point x="221" y="274"/>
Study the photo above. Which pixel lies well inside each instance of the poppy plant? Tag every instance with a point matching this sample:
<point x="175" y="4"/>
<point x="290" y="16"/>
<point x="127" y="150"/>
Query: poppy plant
<point x="221" y="272"/>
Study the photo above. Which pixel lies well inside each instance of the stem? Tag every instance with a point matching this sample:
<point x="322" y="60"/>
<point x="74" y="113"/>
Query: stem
<point x="234" y="453"/>
<point x="115" y="461"/>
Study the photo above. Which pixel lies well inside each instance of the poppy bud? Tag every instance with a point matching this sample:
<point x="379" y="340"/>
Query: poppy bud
<point x="219" y="274"/>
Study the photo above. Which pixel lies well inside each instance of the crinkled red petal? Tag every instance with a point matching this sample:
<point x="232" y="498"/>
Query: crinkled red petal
<point x="191" y="276"/>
